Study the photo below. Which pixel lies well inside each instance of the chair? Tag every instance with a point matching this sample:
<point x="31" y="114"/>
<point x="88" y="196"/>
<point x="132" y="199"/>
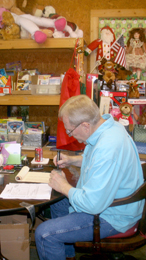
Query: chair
<point x="113" y="247"/>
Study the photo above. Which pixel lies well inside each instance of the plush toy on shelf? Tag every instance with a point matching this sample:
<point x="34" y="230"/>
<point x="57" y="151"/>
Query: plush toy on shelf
<point x="32" y="24"/>
<point x="103" y="46"/>
<point x="10" y="29"/>
<point x="124" y="117"/>
<point x="70" y="28"/>
<point x="108" y="73"/>
<point x="136" y="51"/>
<point x="133" y="89"/>
<point x="142" y="117"/>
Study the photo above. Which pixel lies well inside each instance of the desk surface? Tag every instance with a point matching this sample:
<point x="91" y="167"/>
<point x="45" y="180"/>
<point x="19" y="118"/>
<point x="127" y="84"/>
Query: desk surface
<point x="12" y="206"/>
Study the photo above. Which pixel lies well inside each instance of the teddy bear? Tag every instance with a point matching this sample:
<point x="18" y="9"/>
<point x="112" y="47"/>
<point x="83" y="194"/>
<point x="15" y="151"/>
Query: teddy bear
<point x="124" y="117"/>
<point x="108" y="72"/>
<point x="122" y="73"/>
<point x="70" y="28"/>
<point x="142" y="117"/>
<point x="10" y="30"/>
<point x="133" y="89"/>
<point x="31" y="23"/>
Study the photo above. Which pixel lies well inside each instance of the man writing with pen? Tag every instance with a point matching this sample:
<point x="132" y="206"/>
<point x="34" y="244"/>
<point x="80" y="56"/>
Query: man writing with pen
<point x="110" y="169"/>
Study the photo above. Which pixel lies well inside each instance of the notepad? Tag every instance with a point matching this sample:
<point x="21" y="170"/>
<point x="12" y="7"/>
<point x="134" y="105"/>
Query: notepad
<point x="25" y="175"/>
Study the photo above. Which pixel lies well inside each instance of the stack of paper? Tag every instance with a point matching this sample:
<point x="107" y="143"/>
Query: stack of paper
<point x="26" y="191"/>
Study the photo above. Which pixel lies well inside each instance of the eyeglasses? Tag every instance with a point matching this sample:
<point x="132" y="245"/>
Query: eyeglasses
<point x="69" y="133"/>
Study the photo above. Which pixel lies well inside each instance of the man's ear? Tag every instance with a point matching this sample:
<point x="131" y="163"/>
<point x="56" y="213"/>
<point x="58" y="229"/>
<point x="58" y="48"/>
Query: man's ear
<point x="86" y="126"/>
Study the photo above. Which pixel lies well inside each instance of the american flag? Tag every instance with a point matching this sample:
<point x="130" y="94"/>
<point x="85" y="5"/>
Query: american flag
<point x="118" y="47"/>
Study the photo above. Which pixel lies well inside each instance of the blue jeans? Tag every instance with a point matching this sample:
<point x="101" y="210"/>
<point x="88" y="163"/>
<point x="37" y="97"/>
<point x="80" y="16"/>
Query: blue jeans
<point x="55" y="237"/>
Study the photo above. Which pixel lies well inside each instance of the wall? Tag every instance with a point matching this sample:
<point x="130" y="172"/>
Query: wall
<point x="75" y="11"/>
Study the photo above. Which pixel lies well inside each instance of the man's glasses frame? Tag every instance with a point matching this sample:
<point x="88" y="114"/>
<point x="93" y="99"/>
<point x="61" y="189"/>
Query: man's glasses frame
<point x="69" y="133"/>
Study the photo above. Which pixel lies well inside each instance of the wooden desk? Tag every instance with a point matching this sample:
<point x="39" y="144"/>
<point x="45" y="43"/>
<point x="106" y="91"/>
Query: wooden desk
<point x="12" y="206"/>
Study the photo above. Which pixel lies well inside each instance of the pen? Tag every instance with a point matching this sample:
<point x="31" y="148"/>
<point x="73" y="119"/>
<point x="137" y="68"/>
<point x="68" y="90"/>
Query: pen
<point x="58" y="158"/>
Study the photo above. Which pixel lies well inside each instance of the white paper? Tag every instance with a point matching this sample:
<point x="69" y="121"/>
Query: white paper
<point x="45" y="161"/>
<point x="26" y="191"/>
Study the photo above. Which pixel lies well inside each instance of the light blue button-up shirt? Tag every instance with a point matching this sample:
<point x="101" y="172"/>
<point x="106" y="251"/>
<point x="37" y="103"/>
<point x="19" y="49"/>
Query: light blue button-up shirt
<point x="111" y="169"/>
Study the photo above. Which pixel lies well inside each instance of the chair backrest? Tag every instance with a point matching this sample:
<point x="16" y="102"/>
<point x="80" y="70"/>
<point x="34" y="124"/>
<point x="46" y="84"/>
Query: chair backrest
<point x="120" y="245"/>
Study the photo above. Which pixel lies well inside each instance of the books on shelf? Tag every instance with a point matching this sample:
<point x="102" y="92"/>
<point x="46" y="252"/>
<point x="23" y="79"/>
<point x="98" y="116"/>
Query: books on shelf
<point x="34" y="127"/>
<point x="15" y="127"/>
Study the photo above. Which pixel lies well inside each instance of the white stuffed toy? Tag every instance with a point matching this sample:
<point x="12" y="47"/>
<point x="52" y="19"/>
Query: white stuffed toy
<point x="32" y="24"/>
<point x="70" y="29"/>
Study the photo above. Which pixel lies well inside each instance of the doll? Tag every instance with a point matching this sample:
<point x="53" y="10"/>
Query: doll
<point x="136" y="51"/>
<point x="102" y="45"/>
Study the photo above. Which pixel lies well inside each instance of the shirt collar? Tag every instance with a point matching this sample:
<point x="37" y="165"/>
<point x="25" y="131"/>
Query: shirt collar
<point x="107" y="124"/>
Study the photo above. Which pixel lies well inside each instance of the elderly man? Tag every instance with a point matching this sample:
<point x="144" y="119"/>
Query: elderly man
<point x="110" y="169"/>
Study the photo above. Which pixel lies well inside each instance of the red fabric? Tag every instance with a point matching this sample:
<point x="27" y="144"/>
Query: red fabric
<point x="70" y="87"/>
<point x="130" y="232"/>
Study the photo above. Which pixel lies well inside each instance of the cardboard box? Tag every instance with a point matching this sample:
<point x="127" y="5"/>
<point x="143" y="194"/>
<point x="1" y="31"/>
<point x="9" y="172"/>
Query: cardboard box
<point x="32" y="232"/>
<point x="14" y="237"/>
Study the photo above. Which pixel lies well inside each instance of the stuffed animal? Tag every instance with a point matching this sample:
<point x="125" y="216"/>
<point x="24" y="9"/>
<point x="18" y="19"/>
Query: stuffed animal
<point x="10" y="30"/>
<point x="122" y="73"/>
<point x="32" y="24"/>
<point x="103" y="46"/>
<point x="108" y="71"/>
<point x="70" y="28"/>
<point x="124" y="117"/>
<point x="11" y="6"/>
<point x="133" y="89"/>
<point x="142" y="117"/>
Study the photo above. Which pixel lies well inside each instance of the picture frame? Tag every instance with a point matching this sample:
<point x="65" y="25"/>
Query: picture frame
<point x="106" y="13"/>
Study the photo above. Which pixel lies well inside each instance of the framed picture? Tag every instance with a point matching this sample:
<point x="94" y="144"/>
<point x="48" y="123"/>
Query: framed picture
<point x="104" y="105"/>
<point x="119" y="20"/>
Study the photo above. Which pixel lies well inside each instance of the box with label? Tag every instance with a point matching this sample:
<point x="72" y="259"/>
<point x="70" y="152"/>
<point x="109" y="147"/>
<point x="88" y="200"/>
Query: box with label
<point x="14" y="234"/>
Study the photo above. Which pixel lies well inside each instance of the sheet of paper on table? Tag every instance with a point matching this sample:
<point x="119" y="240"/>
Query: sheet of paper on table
<point x="26" y="191"/>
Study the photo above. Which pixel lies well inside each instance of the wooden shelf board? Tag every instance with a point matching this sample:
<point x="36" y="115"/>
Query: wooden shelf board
<point x="28" y="100"/>
<point x="48" y="44"/>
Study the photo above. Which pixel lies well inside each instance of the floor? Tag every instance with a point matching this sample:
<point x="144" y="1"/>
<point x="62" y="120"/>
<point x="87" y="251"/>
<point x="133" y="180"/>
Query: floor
<point x="139" y="254"/>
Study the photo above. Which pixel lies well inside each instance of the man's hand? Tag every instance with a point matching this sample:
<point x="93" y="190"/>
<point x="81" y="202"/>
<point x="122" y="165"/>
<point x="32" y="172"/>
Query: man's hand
<point x="59" y="182"/>
<point x="66" y="160"/>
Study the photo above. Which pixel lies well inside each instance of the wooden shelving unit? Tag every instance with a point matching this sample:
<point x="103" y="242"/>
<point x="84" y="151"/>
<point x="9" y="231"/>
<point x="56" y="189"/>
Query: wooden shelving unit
<point x="51" y="44"/>
<point x="29" y="100"/>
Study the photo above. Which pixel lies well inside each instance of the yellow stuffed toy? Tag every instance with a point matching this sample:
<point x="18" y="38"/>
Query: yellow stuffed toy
<point x="10" y="30"/>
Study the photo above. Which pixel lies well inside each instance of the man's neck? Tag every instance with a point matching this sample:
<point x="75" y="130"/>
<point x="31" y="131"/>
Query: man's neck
<point x="95" y="127"/>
